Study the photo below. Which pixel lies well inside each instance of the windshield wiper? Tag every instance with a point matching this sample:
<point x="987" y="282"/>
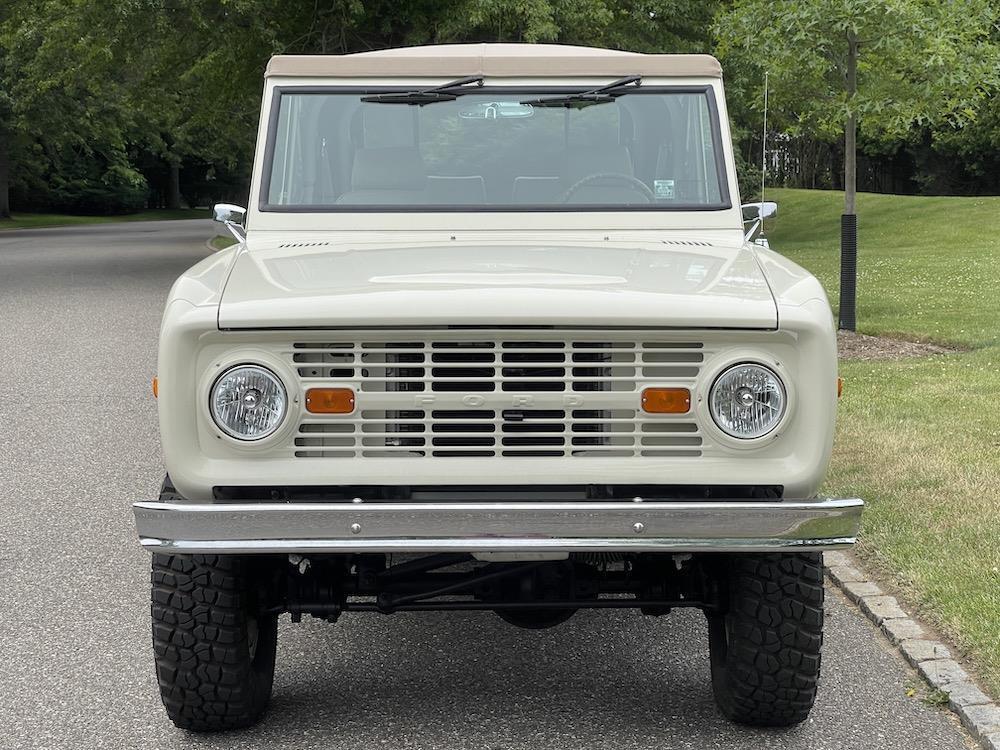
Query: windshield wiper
<point x="600" y="95"/>
<point x="425" y="96"/>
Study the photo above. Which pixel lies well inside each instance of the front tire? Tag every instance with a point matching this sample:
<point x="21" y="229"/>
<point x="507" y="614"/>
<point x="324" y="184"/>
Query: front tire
<point x="214" y="647"/>
<point x="765" y="649"/>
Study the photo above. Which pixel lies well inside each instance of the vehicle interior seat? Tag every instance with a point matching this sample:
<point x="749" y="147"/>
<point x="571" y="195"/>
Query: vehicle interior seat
<point x="448" y="190"/>
<point x="579" y="162"/>
<point x="393" y="175"/>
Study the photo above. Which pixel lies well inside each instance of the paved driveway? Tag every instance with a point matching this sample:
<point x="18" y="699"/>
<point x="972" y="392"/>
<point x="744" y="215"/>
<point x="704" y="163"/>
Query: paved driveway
<point x="79" y="310"/>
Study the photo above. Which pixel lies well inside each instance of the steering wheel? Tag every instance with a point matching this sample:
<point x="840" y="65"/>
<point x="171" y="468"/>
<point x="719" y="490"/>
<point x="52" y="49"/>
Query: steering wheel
<point x="609" y="179"/>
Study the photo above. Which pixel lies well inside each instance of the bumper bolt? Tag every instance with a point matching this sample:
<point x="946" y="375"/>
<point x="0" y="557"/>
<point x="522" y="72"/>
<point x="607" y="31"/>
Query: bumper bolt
<point x="637" y="527"/>
<point x="355" y="528"/>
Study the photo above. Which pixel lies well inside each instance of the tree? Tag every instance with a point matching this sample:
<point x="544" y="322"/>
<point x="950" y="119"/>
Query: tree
<point x="96" y="97"/>
<point x="63" y="113"/>
<point x="881" y="65"/>
<point x="6" y="112"/>
<point x="199" y="62"/>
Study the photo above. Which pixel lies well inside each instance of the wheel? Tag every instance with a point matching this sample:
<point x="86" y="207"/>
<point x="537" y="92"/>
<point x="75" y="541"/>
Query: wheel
<point x="214" y="649"/>
<point x="765" y="649"/>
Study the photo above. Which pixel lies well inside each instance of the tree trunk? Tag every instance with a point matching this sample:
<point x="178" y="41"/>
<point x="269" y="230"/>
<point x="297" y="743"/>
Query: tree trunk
<point x="4" y="177"/>
<point x="849" y="219"/>
<point x="174" y="188"/>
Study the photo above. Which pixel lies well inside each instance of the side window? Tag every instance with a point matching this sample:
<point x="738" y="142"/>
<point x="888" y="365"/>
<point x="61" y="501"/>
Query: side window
<point x="311" y="157"/>
<point x="287" y="152"/>
<point x="712" y="192"/>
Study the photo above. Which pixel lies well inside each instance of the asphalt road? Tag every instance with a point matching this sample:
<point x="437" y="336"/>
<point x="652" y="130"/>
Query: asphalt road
<point x="79" y="311"/>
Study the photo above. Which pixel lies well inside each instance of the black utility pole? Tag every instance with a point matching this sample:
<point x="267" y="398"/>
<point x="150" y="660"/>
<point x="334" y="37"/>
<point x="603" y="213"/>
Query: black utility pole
<point x="849" y="219"/>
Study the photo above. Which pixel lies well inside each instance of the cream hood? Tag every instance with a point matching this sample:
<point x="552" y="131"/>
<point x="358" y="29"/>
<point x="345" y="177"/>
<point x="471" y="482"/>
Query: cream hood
<point x="677" y="284"/>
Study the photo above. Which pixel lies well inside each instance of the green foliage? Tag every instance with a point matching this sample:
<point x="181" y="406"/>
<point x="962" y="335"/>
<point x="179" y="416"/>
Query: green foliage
<point x="90" y="88"/>
<point x="888" y="64"/>
<point x="919" y="61"/>
<point x="119" y="190"/>
<point x="651" y="26"/>
<point x="65" y="110"/>
<point x="936" y="698"/>
<point x="748" y="176"/>
<point x="502" y="20"/>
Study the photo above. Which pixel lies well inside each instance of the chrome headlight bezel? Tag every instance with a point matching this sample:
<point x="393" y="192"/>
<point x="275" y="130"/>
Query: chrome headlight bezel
<point x="723" y="425"/>
<point x="260" y="371"/>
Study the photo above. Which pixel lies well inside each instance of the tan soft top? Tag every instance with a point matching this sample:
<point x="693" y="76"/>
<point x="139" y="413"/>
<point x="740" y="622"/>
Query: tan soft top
<point x="494" y="60"/>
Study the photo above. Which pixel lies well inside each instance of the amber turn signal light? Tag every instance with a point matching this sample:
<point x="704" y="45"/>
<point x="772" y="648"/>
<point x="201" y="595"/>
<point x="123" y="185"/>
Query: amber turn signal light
<point x="156" y="387"/>
<point x="329" y="401"/>
<point x="666" y="400"/>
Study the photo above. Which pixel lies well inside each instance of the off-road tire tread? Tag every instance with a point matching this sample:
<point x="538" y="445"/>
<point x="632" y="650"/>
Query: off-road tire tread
<point x="206" y="677"/>
<point x="775" y="622"/>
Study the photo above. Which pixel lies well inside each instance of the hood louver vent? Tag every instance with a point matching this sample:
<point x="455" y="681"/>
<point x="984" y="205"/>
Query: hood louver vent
<point x="688" y="243"/>
<point x="305" y="244"/>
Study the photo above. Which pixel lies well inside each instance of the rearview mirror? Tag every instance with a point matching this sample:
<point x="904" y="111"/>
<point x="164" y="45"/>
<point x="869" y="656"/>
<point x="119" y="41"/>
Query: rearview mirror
<point x="232" y="216"/>
<point x="755" y="211"/>
<point x="496" y="111"/>
<point x="753" y="218"/>
<point x="228" y="212"/>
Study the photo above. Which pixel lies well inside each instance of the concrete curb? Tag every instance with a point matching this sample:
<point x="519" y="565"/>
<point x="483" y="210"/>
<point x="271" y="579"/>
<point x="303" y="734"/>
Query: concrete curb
<point x="976" y="710"/>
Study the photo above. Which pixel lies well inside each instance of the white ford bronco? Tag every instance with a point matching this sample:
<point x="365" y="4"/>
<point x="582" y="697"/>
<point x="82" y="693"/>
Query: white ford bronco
<point x="495" y="336"/>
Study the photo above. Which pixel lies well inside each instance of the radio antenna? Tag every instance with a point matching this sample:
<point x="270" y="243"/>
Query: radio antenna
<point x="763" y="159"/>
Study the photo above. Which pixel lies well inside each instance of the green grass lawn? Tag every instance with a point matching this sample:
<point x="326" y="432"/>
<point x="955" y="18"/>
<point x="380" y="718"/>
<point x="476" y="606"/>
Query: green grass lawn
<point x="222" y="241"/>
<point x="29" y="221"/>
<point x="919" y="439"/>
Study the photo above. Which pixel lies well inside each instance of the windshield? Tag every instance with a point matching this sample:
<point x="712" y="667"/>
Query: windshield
<point x="652" y="148"/>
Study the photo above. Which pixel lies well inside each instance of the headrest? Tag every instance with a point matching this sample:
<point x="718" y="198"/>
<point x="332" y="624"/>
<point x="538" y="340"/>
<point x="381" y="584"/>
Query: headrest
<point x="390" y="168"/>
<point x="582" y="161"/>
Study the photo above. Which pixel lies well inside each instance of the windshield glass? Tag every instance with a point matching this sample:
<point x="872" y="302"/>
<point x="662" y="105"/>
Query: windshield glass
<point x="647" y="149"/>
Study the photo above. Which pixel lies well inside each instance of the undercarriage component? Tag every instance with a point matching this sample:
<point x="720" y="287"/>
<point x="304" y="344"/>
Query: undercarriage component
<point x="536" y="618"/>
<point x="530" y="594"/>
<point x="566" y="581"/>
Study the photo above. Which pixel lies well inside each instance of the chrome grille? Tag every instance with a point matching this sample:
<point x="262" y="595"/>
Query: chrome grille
<point x="476" y="397"/>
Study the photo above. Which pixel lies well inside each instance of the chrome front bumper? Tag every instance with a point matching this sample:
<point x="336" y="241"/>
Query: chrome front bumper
<point x="643" y="525"/>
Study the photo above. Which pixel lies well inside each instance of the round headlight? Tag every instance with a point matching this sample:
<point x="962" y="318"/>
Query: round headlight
<point x="747" y="401"/>
<point x="248" y="402"/>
